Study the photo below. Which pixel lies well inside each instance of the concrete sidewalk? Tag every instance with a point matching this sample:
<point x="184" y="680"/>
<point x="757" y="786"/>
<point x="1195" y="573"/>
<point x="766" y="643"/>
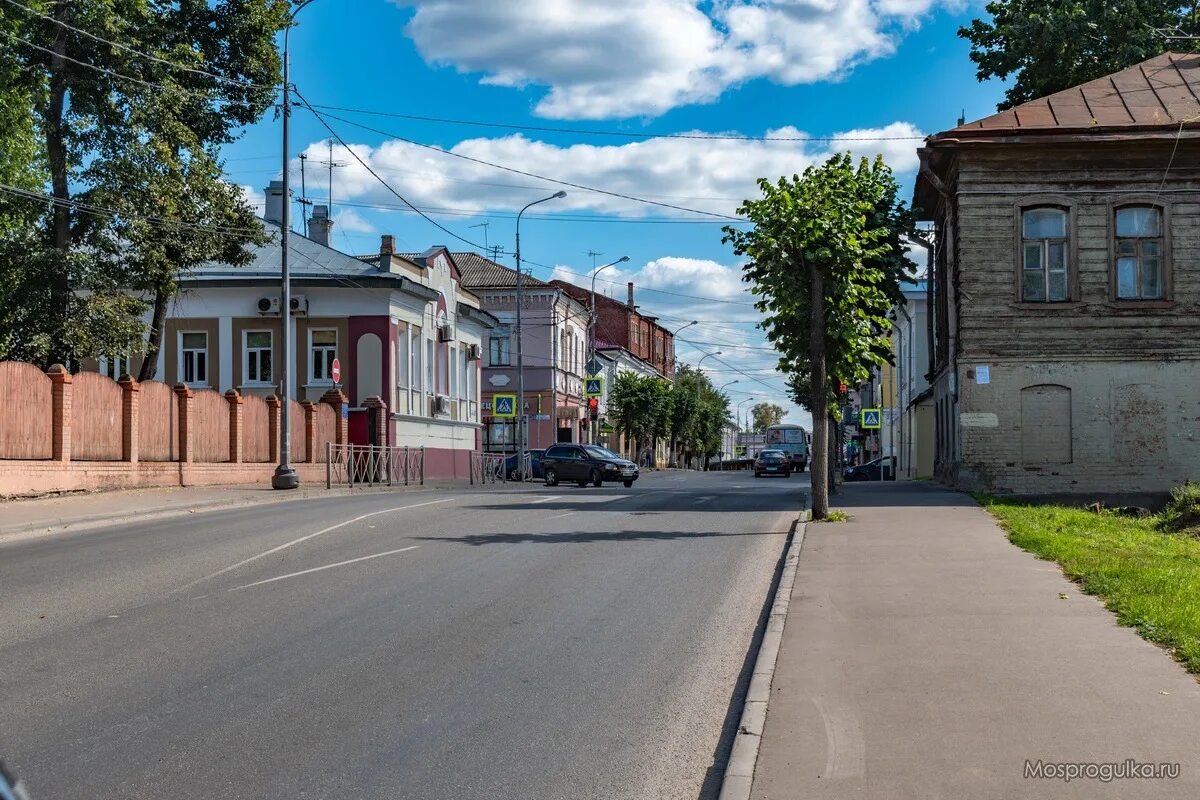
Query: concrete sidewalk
<point x="925" y="657"/>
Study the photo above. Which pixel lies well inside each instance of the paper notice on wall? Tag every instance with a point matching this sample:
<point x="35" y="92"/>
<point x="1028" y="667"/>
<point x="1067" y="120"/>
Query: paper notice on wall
<point x="983" y="374"/>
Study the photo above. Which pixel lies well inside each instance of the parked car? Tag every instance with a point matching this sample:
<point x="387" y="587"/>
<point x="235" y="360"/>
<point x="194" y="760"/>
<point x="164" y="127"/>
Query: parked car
<point x="586" y="463"/>
<point x="772" y="462"/>
<point x="870" y="470"/>
<point x="535" y="464"/>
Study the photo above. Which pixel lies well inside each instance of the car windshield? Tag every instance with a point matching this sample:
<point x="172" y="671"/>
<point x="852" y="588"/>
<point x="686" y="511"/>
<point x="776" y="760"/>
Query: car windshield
<point x="600" y="452"/>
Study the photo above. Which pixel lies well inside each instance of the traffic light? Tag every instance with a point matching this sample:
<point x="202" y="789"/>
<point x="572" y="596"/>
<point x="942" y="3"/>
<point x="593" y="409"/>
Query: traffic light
<point x="593" y="407"/>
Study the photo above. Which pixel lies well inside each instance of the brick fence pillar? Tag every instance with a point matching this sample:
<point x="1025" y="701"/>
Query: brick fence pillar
<point x="187" y="419"/>
<point x="377" y="411"/>
<point x="310" y="431"/>
<point x="339" y="401"/>
<point x="131" y="392"/>
<point x="273" y="428"/>
<point x="60" y="398"/>
<point x="236" y="439"/>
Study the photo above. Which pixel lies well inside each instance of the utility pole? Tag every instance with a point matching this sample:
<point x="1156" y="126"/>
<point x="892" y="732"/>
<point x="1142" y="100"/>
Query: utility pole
<point x="496" y="250"/>
<point x="304" y="201"/>
<point x="330" y="163"/>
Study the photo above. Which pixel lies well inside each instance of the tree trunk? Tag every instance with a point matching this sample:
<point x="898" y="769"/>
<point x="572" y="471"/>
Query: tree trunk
<point x="149" y="368"/>
<point x="56" y="159"/>
<point x="820" y="396"/>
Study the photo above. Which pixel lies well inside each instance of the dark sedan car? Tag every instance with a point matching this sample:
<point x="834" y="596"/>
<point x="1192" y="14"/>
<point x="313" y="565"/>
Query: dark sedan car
<point x="772" y="462"/>
<point x="870" y="470"/>
<point x="535" y="464"/>
<point x="586" y="463"/>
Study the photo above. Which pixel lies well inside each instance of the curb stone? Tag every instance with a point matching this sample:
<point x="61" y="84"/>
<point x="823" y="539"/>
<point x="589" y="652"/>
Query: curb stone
<point x="739" y="772"/>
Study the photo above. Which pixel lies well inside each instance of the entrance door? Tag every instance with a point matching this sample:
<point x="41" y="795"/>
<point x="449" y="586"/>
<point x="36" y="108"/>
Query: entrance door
<point x="565" y="435"/>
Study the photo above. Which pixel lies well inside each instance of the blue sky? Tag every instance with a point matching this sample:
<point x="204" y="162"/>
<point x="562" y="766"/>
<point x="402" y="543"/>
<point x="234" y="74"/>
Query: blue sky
<point x="882" y="72"/>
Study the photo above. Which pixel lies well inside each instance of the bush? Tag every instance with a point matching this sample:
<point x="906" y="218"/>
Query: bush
<point x="1182" y="511"/>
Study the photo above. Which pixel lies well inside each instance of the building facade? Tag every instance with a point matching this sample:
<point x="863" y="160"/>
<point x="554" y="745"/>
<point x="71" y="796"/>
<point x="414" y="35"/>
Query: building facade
<point x="622" y="325"/>
<point x="913" y="411"/>
<point x="554" y="350"/>
<point x="1066" y="288"/>
<point x="407" y="337"/>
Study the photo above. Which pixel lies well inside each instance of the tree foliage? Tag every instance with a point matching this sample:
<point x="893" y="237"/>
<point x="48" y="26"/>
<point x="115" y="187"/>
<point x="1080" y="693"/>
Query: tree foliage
<point x="646" y="408"/>
<point x="825" y="261"/>
<point x="103" y="129"/>
<point x="764" y="415"/>
<point x="1050" y="45"/>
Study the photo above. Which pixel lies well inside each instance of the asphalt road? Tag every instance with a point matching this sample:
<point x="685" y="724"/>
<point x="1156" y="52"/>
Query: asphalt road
<point x="510" y="643"/>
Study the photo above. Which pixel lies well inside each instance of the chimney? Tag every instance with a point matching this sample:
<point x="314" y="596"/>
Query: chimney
<point x="387" y="248"/>
<point x="320" y="225"/>
<point x="273" y="207"/>
<point x="629" y="286"/>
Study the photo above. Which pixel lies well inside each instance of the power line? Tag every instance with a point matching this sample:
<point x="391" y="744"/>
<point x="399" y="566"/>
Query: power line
<point x="622" y="134"/>
<point x="580" y="186"/>
<point x="122" y="76"/>
<point x="651" y="291"/>
<point x="375" y="175"/>
<point x="127" y="48"/>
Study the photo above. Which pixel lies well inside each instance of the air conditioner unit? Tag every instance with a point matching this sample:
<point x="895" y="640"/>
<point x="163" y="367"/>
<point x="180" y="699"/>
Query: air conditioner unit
<point x="445" y="333"/>
<point x="268" y="305"/>
<point x="472" y="352"/>
<point x="299" y="305"/>
<point x="441" y="405"/>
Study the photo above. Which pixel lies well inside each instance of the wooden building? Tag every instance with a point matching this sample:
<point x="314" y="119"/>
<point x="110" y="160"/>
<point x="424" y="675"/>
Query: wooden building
<point x="1066" y="288"/>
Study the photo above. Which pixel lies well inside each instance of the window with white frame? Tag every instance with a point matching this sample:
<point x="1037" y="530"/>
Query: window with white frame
<point x="114" y="366"/>
<point x="1139" y="253"/>
<point x="1044" y="248"/>
<point x="464" y="364"/>
<point x="452" y="366"/>
<point x="322" y="346"/>
<point x="498" y="350"/>
<point x="193" y="358"/>
<point x="256" y="357"/>
<point x="402" y="359"/>
<point x="414" y="343"/>
<point x="430" y="386"/>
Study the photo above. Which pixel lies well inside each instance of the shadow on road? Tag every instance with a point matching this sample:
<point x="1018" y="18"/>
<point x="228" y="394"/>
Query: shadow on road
<point x="576" y="537"/>
<point x="898" y="494"/>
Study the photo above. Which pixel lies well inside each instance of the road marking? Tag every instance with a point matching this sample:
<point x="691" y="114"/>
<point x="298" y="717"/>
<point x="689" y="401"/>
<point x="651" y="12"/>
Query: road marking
<point x="556" y="516"/>
<point x="293" y="542"/>
<point x="705" y="498"/>
<point x="548" y="498"/>
<point x="327" y="566"/>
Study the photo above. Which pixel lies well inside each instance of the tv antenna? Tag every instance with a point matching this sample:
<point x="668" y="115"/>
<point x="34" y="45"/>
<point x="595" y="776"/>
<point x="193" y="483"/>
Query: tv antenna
<point x="331" y="164"/>
<point x="304" y="201"/>
<point x="483" y="225"/>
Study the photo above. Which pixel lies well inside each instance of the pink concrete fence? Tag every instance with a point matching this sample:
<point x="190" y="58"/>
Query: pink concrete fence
<point x="57" y="416"/>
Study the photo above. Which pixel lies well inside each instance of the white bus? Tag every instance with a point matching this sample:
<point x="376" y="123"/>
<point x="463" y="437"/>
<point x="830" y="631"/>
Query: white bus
<point x="791" y="439"/>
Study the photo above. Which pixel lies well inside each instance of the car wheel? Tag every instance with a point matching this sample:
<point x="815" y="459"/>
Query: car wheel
<point x="628" y="484"/>
<point x="551" y="476"/>
<point x="512" y="476"/>
<point x="581" y="483"/>
<point x="597" y="480"/>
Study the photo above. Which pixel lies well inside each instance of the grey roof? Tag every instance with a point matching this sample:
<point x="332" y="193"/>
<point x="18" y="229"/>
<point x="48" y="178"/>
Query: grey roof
<point x="310" y="264"/>
<point x="477" y="272"/>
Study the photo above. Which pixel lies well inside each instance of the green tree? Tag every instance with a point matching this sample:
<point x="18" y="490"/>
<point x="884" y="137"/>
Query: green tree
<point x="825" y="265"/>
<point x="764" y="415"/>
<point x="698" y="413"/>
<point x="1050" y="45"/>
<point x="640" y="407"/>
<point x="134" y="131"/>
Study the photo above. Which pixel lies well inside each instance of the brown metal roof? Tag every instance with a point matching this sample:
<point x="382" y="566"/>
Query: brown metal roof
<point x="1161" y="92"/>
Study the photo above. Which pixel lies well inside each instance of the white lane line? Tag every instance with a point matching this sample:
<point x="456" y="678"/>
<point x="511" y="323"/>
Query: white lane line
<point x="327" y="566"/>
<point x="548" y="498"/>
<point x="294" y="542"/>
<point x="556" y="516"/>
<point x="705" y="498"/>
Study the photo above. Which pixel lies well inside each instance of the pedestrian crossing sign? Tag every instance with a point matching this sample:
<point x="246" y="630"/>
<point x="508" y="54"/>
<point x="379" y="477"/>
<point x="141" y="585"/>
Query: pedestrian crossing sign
<point x="593" y="386"/>
<point x="870" y="418"/>
<point x="504" y="405"/>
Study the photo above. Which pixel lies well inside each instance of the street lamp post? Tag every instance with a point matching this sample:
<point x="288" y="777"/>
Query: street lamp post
<point x="285" y="476"/>
<point x="521" y="424"/>
<point x="592" y="331"/>
<point x="698" y="365"/>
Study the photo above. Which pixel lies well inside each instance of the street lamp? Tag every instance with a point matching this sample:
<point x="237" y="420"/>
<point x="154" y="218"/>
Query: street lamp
<point x="285" y="476"/>
<point x="731" y="383"/>
<point x="690" y="324"/>
<point x="592" y="329"/>
<point x="739" y="410"/>
<point x="698" y="364"/>
<point x="521" y="427"/>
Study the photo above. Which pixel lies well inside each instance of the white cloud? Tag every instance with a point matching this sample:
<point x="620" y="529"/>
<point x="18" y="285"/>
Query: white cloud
<point x="351" y="221"/>
<point x="627" y="58"/>
<point x="254" y="198"/>
<point x="711" y="175"/>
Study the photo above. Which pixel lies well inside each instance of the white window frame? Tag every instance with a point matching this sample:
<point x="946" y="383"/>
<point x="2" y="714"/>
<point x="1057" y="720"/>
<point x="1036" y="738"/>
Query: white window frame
<point x="313" y="379"/>
<point x="270" y="350"/>
<point x="113" y="366"/>
<point x="1139" y="256"/>
<point x="504" y="357"/>
<point x="182" y="362"/>
<point x="1044" y="246"/>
